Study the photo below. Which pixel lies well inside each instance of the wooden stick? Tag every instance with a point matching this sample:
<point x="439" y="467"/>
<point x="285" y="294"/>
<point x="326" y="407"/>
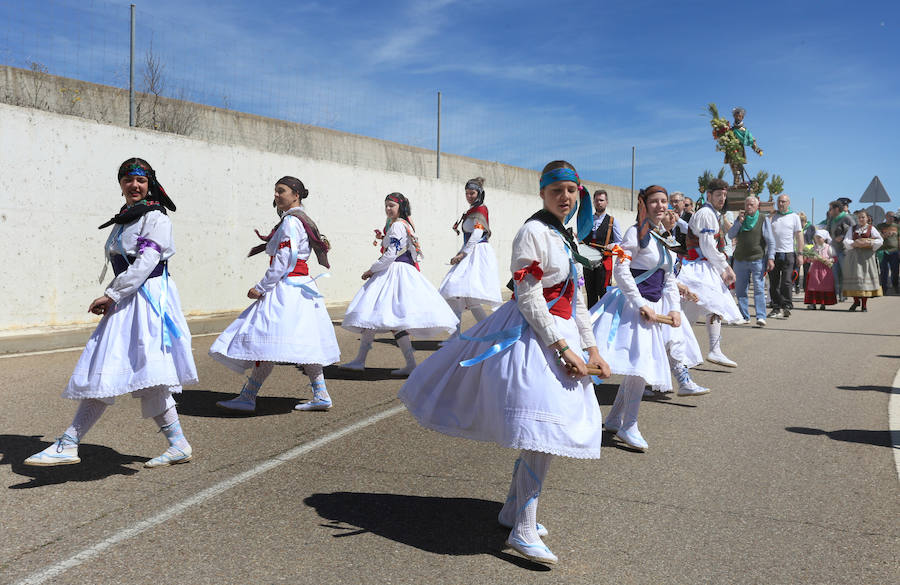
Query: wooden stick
<point x="666" y="319"/>
<point x="595" y="372"/>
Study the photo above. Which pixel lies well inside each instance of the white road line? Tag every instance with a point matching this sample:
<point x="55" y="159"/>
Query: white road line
<point x="44" y="352"/>
<point x="894" y="420"/>
<point x="212" y="491"/>
<point x="77" y="348"/>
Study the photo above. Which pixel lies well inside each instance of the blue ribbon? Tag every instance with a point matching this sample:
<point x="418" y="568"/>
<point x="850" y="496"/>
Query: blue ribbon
<point x="169" y="328"/>
<point x="304" y="285"/>
<point x="506" y="338"/>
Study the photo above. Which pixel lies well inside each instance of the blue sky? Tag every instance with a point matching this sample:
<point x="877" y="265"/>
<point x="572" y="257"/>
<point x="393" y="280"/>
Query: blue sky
<point x="524" y="82"/>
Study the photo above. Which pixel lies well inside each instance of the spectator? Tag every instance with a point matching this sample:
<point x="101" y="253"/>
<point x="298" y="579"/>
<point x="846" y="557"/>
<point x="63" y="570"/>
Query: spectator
<point x="809" y="232"/>
<point x="839" y="222"/>
<point x="688" y="209"/>
<point x="788" y="235"/>
<point x="820" y="287"/>
<point x="754" y="255"/>
<point x="889" y="252"/>
<point x="860" y="267"/>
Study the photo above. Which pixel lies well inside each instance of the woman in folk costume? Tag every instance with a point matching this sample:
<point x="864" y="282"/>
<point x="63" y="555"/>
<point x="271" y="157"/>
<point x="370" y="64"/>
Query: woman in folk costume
<point x="707" y="274"/>
<point x="517" y="378"/>
<point x="626" y="326"/>
<point x="473" y="281"/>
<point x="860" y="266"/>
<point x="820" y="276"/>
<point x="288" y="322"/>
<point x="142" y="344"/>
<point x="396" y="296"/>
<point x="681" y="343"/>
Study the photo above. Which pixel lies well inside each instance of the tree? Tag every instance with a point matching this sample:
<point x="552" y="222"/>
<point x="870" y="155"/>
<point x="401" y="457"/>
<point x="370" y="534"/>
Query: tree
<point x="758" y="183"/>
<point x="154" y="110"/>
<point x="775" y="186"/>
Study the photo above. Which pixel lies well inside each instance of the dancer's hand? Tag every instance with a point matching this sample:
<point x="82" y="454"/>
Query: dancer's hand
<point x="458" y="258"/>
<point x="676" y="318"/>
<point x="595" y="361"/>
<point x="101" y="305"/>
<point x="648" y="313"/>
<point x="573" y="363"/>
<point x="728" y="276"/>
<point x="254" y="294"/>
<point x="367" y="275"/>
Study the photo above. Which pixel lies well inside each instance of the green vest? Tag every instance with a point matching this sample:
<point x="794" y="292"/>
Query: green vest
<point x="750" y="245"/>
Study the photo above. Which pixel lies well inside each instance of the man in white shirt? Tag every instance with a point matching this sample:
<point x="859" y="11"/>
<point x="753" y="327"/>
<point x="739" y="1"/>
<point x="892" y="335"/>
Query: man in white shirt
<point x="787" y="232"/>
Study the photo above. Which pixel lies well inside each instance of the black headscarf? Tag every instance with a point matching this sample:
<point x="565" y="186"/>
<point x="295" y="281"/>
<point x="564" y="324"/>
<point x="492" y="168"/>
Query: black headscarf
<point x="156" y="199"/>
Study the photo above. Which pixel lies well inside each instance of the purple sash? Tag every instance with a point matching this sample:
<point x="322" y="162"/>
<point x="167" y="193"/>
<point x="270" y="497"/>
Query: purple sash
<point x="120" y="265"/>
<point x="651" y="289"/>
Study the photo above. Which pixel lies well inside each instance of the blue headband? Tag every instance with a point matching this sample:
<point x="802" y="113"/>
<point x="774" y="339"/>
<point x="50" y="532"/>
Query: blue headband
<point x="136" y="169"/>
<point x="556" y="175"/>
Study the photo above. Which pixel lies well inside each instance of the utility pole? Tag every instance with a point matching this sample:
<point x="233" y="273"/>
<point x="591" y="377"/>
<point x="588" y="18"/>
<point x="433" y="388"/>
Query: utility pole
<point x="439" y="136"/>
<point x="131" y="74"/>
<point x="632" y="178"/>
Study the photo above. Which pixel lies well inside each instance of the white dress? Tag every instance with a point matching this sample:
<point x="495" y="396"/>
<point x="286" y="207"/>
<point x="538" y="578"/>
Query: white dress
<point x="473" y="281"/>
<point x="397" y="296"/>
<point x="128" y="350"/>
<point x="703" y="276"/>
<point x="289" y="323"/>
<point x="521" y="397"/>
<point x="631" y="345"/>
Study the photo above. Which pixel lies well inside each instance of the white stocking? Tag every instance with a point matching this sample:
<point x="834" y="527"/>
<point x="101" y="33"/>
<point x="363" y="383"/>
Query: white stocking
<point x="529" y="480"/>
<point x="89" y="412"/>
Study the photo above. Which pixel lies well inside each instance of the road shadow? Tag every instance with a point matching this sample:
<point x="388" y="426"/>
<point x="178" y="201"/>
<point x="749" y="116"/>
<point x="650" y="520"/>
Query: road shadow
<point x="367" y="375"/>
<point x="888" y="356"/>
<point x="418" y="345"/>
<point x="863" y="436"/>
<point x="97" y="462"/>
<point x="446" y="526"/>
<point x="885" y="389"/>
<point x="606" y="393"/>
<point x="202" y="403"/>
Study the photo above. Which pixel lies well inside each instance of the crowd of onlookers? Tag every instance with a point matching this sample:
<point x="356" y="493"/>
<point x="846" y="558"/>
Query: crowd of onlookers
<point x="783" y="254"/>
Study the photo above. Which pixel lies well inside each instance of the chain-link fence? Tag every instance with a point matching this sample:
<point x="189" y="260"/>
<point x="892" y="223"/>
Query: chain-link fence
<point x="89" y="40"/>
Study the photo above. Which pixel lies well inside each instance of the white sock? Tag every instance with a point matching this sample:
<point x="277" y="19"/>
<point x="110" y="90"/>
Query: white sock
<point x="315" y="372"/>
<point x="88" y="413"/>
<point x="258" y="375"/>
<point x="714" y="330"/>
<point x="632" y="389"/>
<point x="406" y="348"/>
<point x="529" y="481"/>
<point x="170" y="426"/>
<point x="507" y="516"/>
<point x="365" y="344"/>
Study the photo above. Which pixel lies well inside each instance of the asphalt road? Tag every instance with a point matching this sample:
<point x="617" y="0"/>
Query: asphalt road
<point x="785" y="473"/>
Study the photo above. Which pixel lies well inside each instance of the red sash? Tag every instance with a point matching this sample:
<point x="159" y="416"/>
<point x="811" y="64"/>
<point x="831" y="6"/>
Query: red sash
<point x="300" y="269"/>
<point x="562" y="307"/>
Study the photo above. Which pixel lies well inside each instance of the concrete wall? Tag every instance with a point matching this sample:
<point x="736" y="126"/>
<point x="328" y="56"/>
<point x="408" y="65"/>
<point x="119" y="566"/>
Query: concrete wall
<point x="58" y="183"/>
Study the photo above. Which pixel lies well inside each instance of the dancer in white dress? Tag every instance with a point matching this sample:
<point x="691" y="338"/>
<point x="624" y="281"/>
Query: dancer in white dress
<point x="681" y="343"/>
<point x="626" y="326"/>
<point x="142" y="344"/>
<point x="396" y="296"/>
<point x="517" y="378"/>
<point x="707" y="274"/>
<point x="473" y="279"/>
<point x="288" y="322"/>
